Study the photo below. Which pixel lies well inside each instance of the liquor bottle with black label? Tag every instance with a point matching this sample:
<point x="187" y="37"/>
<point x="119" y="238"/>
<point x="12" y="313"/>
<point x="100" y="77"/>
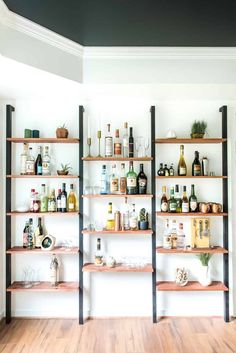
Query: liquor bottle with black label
<point x="131" y="143"/>
<point x="142" y="181"/>
<point x="178" y="200"/>
<point x="196" y="166"/>
<point x="193" y="205"/>
<point x="185" y="202"/>
<point x="182" y="168"/>
<point x="108" y="142"/>
<point x="172" y="202"/>
<point x="164" y="201"/>
<point x="117" y="144"/>
<point x="131" y="188"/>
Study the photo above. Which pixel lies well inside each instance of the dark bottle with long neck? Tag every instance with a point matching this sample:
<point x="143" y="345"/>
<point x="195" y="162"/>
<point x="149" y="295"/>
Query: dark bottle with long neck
<point x="142" y="181"/>
<point x="196" y="166"/>
<point x="63" y="198"/>
<point x="131" y="143"/>
<point x="39" y="163"/>
<point x="193" y="205"/>
<point x="131" y="186"/>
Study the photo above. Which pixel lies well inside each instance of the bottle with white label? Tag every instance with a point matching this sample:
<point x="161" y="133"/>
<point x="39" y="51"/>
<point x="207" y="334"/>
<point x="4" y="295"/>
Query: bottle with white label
<point x="23" y="159"/>
<point x="108" y="142"/>
<point x="185" y="202"/>
<point x="167" y="236"/>
<point x="114" y="180"/>
<point x="182" y="168"/>
<point x="104" y="181"/>
<point x="63" y="198"/>
<point x="133" y="221"/>
<point x="131" y="187"/>
<point x="46" y="165"/>
<point x="164" y="201"/>
<point x="71" y="200"/>
<point x="30" y="163"/>
<point x="52" y="205"/>
<point x="193" y="205"/>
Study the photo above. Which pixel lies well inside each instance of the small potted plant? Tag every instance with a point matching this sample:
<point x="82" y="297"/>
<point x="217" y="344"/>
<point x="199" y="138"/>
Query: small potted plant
<point x="198" y="129"/>
<point x="62" y="132"/>
<point x="143" y="219"/>
<point x="65" y="168"/>
<point x="204" y="275"/>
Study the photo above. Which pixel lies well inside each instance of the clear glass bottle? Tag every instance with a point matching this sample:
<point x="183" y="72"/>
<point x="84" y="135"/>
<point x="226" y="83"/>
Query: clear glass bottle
<point x="71" y="200"/>
<point x="172" y="202"/>
<point x="98" y="257"/>
<point x="46" y="164"/>
<point x="39" y="234"/>
<point x="180" y="237"/>
<point x="114" y="180"/>
<point x="131" y="188"/>
<point x="173" y="234"/>
<point x="30" y="163"/>
<point x="182" y="168"/>
<point x="52" y="205"/>
<point x="196" y="166"/>
<point x="164" y="201"/>
<point x="38" y="162"/>
<point x="104" y="181"/>
<point x="23" y="159"/>
<point x="108" y="142"/>
<point x="125" y="142"/>
<point x="185" y="202"/>
<point x="36" y="203"/>
<point x="133" y="220"/>
<point x="31" y="238"/>
<point x="110" y="225"/>
<point x="167" y="236"/>
<point x="142" y="181"/>
<point x="193" y="205"/>
<point x="178" y="199"/>
<point x="125" y="216"/>
<point x="43" y="199"/>
<point x="123" y="180"/>
<point x="117" y="144"/>
<point x="32" y="196"/>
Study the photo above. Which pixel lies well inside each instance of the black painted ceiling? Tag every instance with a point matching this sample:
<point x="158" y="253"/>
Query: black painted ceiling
<point x="135" y="22"/>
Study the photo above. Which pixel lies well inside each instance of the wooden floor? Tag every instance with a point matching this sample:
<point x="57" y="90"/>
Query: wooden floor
<point x="171" y="335"/>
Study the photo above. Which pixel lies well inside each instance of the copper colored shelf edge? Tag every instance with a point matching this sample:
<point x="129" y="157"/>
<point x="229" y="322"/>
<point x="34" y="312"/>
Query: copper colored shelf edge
<point x="90" y="267"/>
<point x="56" y="250"/>
<point x="191" y="286"/>
<point x="43" y="140"/>
<point x="148" y="231"/>
<point x="15" y="213"/>
<point x="190" y="177"/>
<point x="117" y="159"/>
<point x="190" y="140"/>
<point x="44" y="287"/>
<point x="91" y="196"/>
<point x="190" y="214"/>
<point x="43" y="176"/>
<point x="214" y="250"/>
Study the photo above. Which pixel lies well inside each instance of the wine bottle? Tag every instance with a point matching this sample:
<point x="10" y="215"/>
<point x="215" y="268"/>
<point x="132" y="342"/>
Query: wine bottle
<point x="52" y="205"/>
<point x="182" y="168"/>
<point x="39" y="163"/>
<point x="59" y="201"/>
<point x="25" y="235"/>
<point x="104" y="181"/>
<point x="71" y="200"/>
<point x="185" y="202"/>
<point x="38" y="234"/>
<point x="172" y="202"/>
<point x="142" y="181"/>
<point x="110" y="218"/>
<point x="117" y="144"/>
<point x="193" y="200"/>
<point x="63" y="198"/>
<point x="46" y="167"/>
<point x="178" y="200"/>
<point x="131" y="188"/>
<point x="98" y="257"/>
<point x="131" y="143"/>
<point x="23" y="159"/>
<point x="108" y="142"/>
<point x="196" y="166"/>
<point x="164" y="201"/>
<point x="123" y="180"/>
<point x="125" y="142"/>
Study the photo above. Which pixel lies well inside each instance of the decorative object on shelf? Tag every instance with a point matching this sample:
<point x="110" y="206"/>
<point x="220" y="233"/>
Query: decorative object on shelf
<point x="99" y="135"/>
<point x="98" y="258"/>
<point x="62" y="132"/>
<point x="110" y="261"/>
<point x="27" y="133"/>
<point x="65" y="168"/>
<point x="204" y="207"/>
<point x="205" y="275"/>
<point x="181" y="278"/>
<point x="198" y="129"/>
<point x="27" y="277"/>
<point x="89" y="142"/>
<point x="216" y="207"/>
<point x="143" y="219"/>
<point x="171" y="134"/>
<point x="54" y="270"/>
<point x="35" y="133"/>
<point x="48" y="243"/>
<point x="200" y="232"/>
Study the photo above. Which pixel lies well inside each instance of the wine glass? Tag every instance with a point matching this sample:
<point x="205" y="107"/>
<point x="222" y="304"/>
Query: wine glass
<point x="146" y="145"/>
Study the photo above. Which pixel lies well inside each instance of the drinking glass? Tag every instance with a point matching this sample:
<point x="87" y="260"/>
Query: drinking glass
<point x="96" y="190"/>
<point x="27" y="277"/>
<point x="139" y="145"/>
<point x="146" y="145"/>
<point x="88" y="190"/>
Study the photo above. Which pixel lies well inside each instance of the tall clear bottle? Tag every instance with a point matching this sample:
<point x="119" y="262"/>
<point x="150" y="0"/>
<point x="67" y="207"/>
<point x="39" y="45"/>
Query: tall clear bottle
<point x="125" y="216"/>
<point x="25" y="235"/>
<point x="117" y="144"/>
<point x="182" y="168"/>
<point x="23" y="159"/>
<point x="133" y="220"/>
<point x="123" y="180"/>
<point x="167" y="236"/>
<point x="46" y="164"/>
<point x="108" y="142"/>
<point x="104" y="181"/>
<point x="71" y="200"/>
<point x="131" y="188"/>
<point x="125" y="142"/>
<point x="30" y="163"/>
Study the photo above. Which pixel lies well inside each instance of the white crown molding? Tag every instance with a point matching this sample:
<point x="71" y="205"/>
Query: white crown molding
<point x="4" y="12"/>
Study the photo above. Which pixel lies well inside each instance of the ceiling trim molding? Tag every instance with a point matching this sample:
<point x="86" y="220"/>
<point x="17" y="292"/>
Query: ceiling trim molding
<point x="4" y="12"/>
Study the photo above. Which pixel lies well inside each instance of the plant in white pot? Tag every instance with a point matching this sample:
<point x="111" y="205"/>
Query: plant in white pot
<point x="205" y="275"/>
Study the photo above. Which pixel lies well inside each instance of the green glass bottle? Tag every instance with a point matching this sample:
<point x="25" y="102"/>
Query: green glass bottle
<point x="193" y="205"/>
<point x="172" y="204"/>
<point x="131" y="187"/>
<point x="178" y="200"/>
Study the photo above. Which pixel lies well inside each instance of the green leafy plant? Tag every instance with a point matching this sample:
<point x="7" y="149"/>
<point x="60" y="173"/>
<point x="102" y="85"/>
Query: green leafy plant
<point x="62" y="127"/>
<point x="65" y="167"/>
<point x="142" y="215"/>
<point x="204" y="258"/>
<point x="199" y="127"/>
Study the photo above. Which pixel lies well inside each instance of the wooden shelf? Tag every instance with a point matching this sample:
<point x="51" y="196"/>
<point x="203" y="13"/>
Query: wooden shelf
<point x="91" y="196"/>
<point x="214" y="250"/>
<point x="189" y="140"/>
<point x="190" y="214"/>
<point x="43" y="176"/>
<point x="117" y="159"/>
<point x="43" y="140"/>
<point x="15" y="213"/>
<point x="118" y="268"/>
<point x="56" y="250"/>
<point x="142" y="232"/>
<point x="44" y="287"/>
<point x="190" y="177"/>
<point x="170" y="286"/>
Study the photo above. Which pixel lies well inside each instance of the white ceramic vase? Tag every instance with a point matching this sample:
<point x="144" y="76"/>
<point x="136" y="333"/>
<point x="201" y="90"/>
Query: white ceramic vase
<point x="205" y="276"/>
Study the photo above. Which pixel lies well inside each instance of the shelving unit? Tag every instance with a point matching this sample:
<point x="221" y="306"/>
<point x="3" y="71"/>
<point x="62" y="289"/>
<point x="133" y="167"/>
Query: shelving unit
<point x="192" y="285"/>
<point x="149" y="268"/>
<point x="42" y="286"/>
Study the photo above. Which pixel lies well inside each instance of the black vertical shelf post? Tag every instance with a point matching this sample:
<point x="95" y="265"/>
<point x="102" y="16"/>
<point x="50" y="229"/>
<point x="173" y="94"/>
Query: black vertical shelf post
<point x="9" y="110"/>
<point x="223" y="110"/>
<point x="153" y="184"/>
<point x="81" y="211"/>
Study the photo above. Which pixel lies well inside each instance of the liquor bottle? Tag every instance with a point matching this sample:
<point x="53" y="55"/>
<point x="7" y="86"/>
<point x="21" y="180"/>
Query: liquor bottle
<point x="166" y="170"/>
<point x="104" y="181"/>
<point x="125" y="216"/>
<point x="172" y="202"/>
<point x="71" y="200"/>
<point x="185" y="203"/>
<point x="30" y="163"/>
<point x="171" y="170"/>
<point x="32" y="197"/>
<point x="114" y="180"/>
<point x="31" y="239"/>
<point x="117" y="144"/>
<point x="63" y="198"/>
<point x="110" y="218"/>
<point x="173" y="234"/>
<point x="46" y="169"/>
<point x="108" y="142"/>
<point x="43" y="199"/>
<point x="59" y="201"/>
<point x="196" y="166"/>
<point x="25" y="235"/>
<point x="125" y="142"/>
<point x="161" y="171"/>
<point x="182" y="168"/>
<point x="23" y="159"/>
<point x="38" y="163"/>
<point x="52" y="204"/>
<point x="39" y="234"/>
<point x="36" y="203"/>
<point x="167" y="236"/>
<point x="180" y="237"/>
<point x="142" y="181"/>
<point x="193" y="200"/>
<point x="123" y="180"/>
<point x="178" y="200"/>
<point x="164" y="201"/>
<point x="131" y="143"/>
<point x="133" y="220"/>
<point x="98" y="257"/>
<point x="131" y="188"/>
